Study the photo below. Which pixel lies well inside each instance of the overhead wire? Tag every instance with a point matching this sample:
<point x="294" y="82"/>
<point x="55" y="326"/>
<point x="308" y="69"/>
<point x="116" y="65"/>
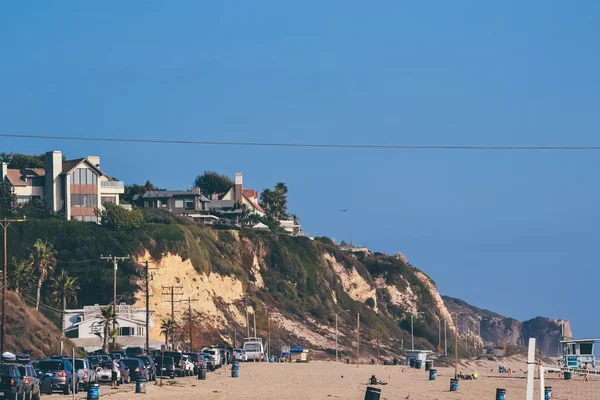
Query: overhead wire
<point x="311" y="145"/>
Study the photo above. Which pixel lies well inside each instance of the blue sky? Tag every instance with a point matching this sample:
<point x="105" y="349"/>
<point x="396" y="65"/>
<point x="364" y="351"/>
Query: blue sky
<point x="515" y="232"/>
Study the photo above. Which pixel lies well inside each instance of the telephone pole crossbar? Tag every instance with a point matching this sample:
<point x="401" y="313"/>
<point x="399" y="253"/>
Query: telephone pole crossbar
<point x="147" y="276"/>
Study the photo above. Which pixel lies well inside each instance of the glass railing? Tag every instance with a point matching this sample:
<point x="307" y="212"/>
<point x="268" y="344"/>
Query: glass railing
<point x="115" y="184"/>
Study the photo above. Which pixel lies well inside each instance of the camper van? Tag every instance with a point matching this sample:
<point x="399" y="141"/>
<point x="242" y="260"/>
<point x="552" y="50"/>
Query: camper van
<point x="254" y="349"/>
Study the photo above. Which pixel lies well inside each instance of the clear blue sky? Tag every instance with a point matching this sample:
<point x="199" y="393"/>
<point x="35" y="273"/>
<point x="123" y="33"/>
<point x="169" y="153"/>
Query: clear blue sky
<point x="500" y="230"/>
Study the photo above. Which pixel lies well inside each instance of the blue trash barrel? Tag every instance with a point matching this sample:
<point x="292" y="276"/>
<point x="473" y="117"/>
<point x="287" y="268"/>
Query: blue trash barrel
<point x="272" y="359"/>
<point x="500" y="394"/>
<point x="453" y="385"/>
<point x="372" y="393"/>
<point x="93" y="392"/>
<point x="235" y="369"/>
<point x="140" y="386"/>
<point x="432" y="374"/>
<point x="548" y="393"/>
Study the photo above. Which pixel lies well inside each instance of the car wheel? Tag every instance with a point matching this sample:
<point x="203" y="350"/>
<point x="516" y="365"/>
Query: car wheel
<point x="66" y="390"/>
<point x="76" y="388"/>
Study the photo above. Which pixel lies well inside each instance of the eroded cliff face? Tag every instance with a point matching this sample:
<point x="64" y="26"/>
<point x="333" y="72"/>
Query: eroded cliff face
<point x="301" y="283"/>
<point x="497" y="330"/>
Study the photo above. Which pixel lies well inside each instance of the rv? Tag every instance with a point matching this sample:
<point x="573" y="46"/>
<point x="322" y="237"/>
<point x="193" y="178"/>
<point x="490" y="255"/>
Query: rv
<point x="254" y="349"/>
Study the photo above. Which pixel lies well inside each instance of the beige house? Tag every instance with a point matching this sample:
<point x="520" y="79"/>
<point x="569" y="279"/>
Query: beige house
<point x="76" y="187"/>
<point x="247" y="197"/>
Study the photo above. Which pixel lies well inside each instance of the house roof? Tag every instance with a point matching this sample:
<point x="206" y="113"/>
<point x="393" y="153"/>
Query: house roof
<point x="15" y="176"/>
<point x="163" y="194"/>
<point x="254" y="203"/>
<point x="69" y="165"/>
<point x="260" y="225"/>
<point x="221" y="203"/>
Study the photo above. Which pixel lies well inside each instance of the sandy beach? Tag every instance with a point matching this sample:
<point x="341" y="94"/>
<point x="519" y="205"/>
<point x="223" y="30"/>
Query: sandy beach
<point x="329" y="380"/>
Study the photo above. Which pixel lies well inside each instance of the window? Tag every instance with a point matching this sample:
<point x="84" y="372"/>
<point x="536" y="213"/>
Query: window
<point x="189" y="204"/>
<point x="108" y="199"/>
<point x="165" y="204"/>
<point x="140" y="331"/>
<point x="585" y="348"/>
<point x="178" y="203"/>
<point x="84" y="200"/>
<point x="76" y="179"/>
<point x="85" y="176"/>
<point x="126" y="331"/>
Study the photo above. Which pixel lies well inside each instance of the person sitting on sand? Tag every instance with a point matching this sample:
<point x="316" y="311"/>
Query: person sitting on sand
<point x="373" y="380"/>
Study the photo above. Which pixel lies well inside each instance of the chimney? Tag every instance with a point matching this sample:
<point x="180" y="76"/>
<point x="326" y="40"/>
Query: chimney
<point x="4" y="171"/>
<point x="53" y="189"/>
<point x="94" y="160"/>
<point x="239" y="187"/>
<point x="196" y="190"/>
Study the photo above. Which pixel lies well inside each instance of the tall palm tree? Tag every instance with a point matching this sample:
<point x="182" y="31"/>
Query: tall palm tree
<point x="21" y="274"/>
<point x="107" y="316"/>
<point x="64" y="291"/>
<point x="43" y="259"/>
<point x="166" y="328"/>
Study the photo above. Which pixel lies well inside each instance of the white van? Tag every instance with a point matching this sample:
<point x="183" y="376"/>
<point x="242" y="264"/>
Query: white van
<point x="216" y="353"/>
<point x="254" y="349"/>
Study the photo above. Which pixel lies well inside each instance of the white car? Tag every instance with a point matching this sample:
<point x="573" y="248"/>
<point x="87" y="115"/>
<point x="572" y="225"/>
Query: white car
<point x="187" y="366"/>
<point x="240" y="355"/>
<point x="104" y="372"/>
<point x="215" y="353"/>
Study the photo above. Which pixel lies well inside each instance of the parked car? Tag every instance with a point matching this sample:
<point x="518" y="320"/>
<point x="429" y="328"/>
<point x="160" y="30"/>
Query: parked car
<point x="105" y="357"/>
<point x="187" y="365"/>
<point x="240" y="355"/>
<point x="12" y="385"/>
<point x="95" y="361"/>
<point x="209" y="361"/>
<point x="125" y="375"/>
<point x="32" y="382"/>
<point x="117" y="355"/>
<point x="134" y="351"/>
<point x="137" y="369"/>
<point x="216" y="354"/>
<point x="57" y="374"/>
<point x="104" y="372"/>
<point x="150" y="365"/>
<point x="86" y="372"/>
<point x="167" y="368"/>
<point x="179" y="366"/>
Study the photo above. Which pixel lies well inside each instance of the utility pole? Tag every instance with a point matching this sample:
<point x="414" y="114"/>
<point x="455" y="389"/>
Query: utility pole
<point x="412" y="334"/>
<point x="378" y="347"/>
<point x="190" y="322"/>
<point x="247" y="318"/>
<point x="254" y="317"/>
<point x="147" y="277"/>
<point x="5" y="223"/>
<point x="445" y="341"/>
<point x="336" y="333"/>
<point x="115" y="260"/>
<point x="357" y="339"/>
<point x="171" y="291"/>
<point x="439" y="334"/>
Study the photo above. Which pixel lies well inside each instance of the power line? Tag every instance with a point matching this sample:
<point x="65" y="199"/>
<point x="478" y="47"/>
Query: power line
<point x="310" y="145"/>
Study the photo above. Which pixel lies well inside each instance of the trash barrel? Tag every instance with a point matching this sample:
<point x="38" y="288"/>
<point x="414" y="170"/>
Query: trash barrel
<point x="500" y="394"/>
<point x="432" y="374"/>
<point x="272" y="359"/>
<point x="567" y="376"/>
<point x="347" y="361"/>
<point x="548" y="393"/>
<point x="372" y="393"/>
<point x="372" y="361"/>
<point x="453" y="385"/>
<point x="140" y="385"/>
<point x="428" y="365"/>
<point x="235" y="369"/>
<point x="418" y="364"/>
<point x="93" y="392"/>
<point x="412" y="363"/>
<point x="386" y="362"/>
<point x="395" y="361"/>
<point x="201" y="374"/>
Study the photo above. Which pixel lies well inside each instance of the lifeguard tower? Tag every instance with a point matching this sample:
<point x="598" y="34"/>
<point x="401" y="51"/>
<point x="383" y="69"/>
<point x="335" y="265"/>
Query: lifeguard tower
<point x="577" y="352"/>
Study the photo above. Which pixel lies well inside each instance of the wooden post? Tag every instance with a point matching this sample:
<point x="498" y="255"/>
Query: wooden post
<point x="358" y="339"/>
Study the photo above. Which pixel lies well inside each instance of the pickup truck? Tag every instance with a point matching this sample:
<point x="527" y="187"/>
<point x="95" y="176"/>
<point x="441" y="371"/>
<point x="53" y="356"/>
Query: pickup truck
<point x="216" y="355"/>
<point x="12" y="385"/>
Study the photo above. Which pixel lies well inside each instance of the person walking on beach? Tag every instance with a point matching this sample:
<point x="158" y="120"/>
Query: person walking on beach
<point x="585" y="376"/>
<point x="114" y="373"/>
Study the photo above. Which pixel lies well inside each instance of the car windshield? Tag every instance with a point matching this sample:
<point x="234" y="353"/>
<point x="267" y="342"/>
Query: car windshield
<point x="79" y="364"/>
<point x="22" y="371"/>
<point x="94" y="360"/>
<point x="168" y="361"/>
<point x="107" y="365"/>
<point x="145" y="360"/>
<point x="176" y="356"/>
<point x="49" y="365"/>
<point x="253" y="347"/>
<point x="4" y="371"/>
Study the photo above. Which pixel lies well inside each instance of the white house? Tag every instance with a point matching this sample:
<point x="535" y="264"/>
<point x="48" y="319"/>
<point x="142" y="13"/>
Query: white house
<point x="290" y="226"/>
<point x="85" y="327"/>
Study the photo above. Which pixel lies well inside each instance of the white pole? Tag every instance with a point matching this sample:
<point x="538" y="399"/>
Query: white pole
<point x="530" y="368"/>
<point x="542" y="383"/>
<point x="73" y="372"/>
<point x="445" y="341"/>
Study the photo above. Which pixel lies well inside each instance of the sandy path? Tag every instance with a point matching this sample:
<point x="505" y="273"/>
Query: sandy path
<point x="323" y="380"/>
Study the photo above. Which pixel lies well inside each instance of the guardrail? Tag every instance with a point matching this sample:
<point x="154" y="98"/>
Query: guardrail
<point x="116" y="184"/>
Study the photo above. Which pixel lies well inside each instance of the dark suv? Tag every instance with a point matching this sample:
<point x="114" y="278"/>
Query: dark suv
<point x="137" y="369"/>
<point x="12" y="385"/>
<point x="57" y="375"/>
<point x="32" y="382"/>
<point x="149" y="364"/>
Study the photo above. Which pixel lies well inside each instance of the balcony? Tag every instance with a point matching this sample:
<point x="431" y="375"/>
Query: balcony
<point x="112" y="187"/>
<point x="112" y="184"/>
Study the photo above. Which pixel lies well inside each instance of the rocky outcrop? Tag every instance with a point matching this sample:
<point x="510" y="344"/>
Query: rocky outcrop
<point x="497" y="330"/>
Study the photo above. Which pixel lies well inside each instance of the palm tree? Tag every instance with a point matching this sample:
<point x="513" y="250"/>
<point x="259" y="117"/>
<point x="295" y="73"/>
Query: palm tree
<point x="107" y="317"/>
<point x="21" y="274"/>
<point x="64" y="291"/>
<point x="43" y="259"/>
<point x="166" y="328"/>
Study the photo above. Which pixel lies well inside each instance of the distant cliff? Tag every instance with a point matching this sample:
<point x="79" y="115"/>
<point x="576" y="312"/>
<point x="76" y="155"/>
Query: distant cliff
<point x="497" y="329"/>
